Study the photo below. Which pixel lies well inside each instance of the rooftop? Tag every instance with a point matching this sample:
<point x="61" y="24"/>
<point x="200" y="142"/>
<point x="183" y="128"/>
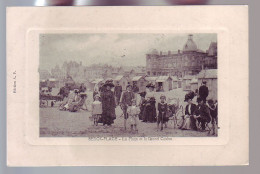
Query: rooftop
<point x="208" y="74"/>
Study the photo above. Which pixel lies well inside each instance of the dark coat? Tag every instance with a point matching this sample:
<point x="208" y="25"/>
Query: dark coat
<point x="127" y="98"/>
<point x="193" y="109"/>
<point x="150" y="111"/>
<point x="108" y="106"/>
<point x="213" y="111"/>
<point x="203" y="92"/>
<point x="142" y="107"/>
<point x="162" y="116"/>
<point x="204" y="112"/>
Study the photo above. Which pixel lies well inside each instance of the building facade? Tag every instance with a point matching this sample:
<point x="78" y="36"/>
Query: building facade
<point x="189" y="61"/>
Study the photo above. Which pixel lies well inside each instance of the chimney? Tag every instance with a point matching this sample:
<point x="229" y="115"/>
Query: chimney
<point x="179" y="51"/>
<point x="169" y="52"/>
<point x="160" y="53"/>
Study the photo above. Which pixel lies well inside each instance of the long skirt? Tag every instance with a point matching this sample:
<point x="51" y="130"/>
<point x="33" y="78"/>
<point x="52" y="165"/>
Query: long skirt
<point x="141" y="114"/>
<point x="107" y="119"/>
<point x="150" y="113"/>
<point x="189" y="123"/>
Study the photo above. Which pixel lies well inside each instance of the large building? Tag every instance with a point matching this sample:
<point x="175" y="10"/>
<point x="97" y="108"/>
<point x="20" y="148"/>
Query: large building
<point x="189" y="61"/>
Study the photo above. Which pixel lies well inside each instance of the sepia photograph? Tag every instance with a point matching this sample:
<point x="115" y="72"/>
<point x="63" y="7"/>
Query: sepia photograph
<point x="128" y="85"/>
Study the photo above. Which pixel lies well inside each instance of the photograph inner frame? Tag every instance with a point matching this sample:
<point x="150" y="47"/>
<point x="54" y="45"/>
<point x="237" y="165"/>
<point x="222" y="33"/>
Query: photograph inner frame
<point x="103" y="85"/>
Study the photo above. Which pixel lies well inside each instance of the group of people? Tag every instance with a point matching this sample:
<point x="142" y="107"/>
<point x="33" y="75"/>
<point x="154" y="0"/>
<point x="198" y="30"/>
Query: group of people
<point x="146" y="110"/>
<point x="200" y="115"/>
<point x="105" y="102"/>
<point x="74" y="101"/>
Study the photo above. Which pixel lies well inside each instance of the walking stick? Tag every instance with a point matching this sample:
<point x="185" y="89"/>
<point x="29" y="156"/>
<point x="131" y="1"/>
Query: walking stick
<point x="162" y="121"/>
<point x="124" y="114"/>
<point x="125" y="122"/>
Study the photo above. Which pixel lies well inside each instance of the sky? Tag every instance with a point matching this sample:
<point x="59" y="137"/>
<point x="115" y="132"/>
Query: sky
<point x="114" y="49"/>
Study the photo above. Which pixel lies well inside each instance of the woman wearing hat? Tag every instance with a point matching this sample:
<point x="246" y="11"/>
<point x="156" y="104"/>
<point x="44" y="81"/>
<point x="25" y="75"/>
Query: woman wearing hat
<point x="150" y="109"/>
<point x="189" y="122"/>
<point x="108" y="103"/>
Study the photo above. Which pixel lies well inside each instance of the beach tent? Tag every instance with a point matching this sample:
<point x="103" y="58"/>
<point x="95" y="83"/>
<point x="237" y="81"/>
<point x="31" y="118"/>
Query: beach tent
<point x="194" y="84"/>
<point x="174" y="82"/>
<point x="186" y="82"/>
<point x="164" y="83"/>
<point x="122" y="80"/>
<point x="210" y="76"/>
<point x="140" y="82"/>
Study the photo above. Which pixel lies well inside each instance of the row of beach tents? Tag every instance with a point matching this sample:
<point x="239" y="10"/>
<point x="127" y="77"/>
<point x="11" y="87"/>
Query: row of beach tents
<point x="167" y="83"/>
<point x="162" y="83"/>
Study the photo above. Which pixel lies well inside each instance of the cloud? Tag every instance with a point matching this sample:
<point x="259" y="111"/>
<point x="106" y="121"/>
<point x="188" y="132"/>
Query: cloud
<point x="116" y="49"/>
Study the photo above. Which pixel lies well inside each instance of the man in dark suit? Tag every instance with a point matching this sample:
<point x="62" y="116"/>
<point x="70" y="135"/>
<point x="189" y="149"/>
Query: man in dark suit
<point x="126" y="100"/>
<point x="203" y="91"/>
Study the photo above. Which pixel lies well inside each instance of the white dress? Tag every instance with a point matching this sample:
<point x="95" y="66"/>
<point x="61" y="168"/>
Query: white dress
<point x="133" y="112"/>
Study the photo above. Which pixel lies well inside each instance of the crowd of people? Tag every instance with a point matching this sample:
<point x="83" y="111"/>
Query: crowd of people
<point x="196" y="116"/>
<point x="74" y="101"/>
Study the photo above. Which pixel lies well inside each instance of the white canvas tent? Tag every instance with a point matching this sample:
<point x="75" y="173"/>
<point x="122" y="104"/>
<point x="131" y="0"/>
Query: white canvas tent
<point x="122" y="80"/>
<point x="194" y="84"/>
<point x="141" y="82"/>
<point x="164" y="83"/>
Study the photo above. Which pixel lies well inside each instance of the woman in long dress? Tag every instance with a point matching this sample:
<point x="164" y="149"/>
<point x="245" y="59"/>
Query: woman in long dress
<point x="108" y="104"/>
<point x="189" y="121"/>
<point x="150" y="109"/>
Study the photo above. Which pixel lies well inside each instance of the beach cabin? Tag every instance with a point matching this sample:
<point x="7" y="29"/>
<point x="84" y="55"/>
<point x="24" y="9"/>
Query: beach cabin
<point x="140" y="82"/>
<point x="210" y="76"/>
<point x="152" y="80"/>
<point x="122" y="80"/>
<point x="174" y="82"/>
<point x="194" y="84"/>
<point x="164" y="83"/>
<point x="186" y="82"/>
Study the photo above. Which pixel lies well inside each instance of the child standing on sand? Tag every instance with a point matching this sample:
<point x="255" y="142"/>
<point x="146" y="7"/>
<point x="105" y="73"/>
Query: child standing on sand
<point x="96" y="109"/>
<point x="133" y="112"/>
<point x="162" y="116"/>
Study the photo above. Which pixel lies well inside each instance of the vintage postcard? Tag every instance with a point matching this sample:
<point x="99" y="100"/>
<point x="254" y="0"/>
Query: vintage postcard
<point x="127" y="81"/>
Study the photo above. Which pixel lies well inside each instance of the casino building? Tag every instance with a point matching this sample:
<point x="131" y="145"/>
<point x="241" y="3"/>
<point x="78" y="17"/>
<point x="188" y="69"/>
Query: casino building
<point x="189" y="61"/>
